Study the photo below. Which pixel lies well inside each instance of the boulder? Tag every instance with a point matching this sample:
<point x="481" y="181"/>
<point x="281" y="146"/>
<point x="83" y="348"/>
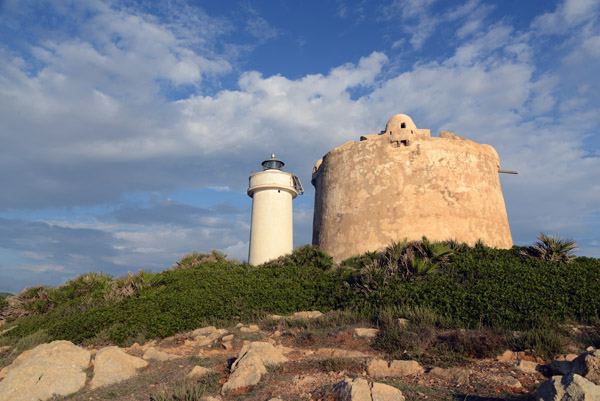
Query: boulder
<point x="571" y="387"/>
<point x="57" y="368"/>
<point x="156" y="355"/>
<point x="587" y="365"/>
<point x="528" y="366"/>
<point x="365" y="332"/>
<point x="199" y="371"/>
<point x="383" y="392"/>
<point x="354" y="390"/>
<point x="250" y="365"/>
<point x="202" y="341"/>
<point x="361" y="390"/>
<point x="324" y="353"/>
<point x="203" y="331"/>
<point x="562" y="364"/>
<point x="405" y="368"/>
<point x="307" y="314"/>
<point x="506" y="381"/>
<point x="207" y="335"/>
<point x="250" y="329"/>
<point x="112" y="365"/>
<point x="506" y="356"/>
<point x="380" y="368"/>
<point x="457" y="376"/>
<point x="560" y="367"/>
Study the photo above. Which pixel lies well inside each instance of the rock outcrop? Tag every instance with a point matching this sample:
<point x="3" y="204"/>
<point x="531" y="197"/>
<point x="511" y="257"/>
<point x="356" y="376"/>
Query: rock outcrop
<point x="587" y="365"/>
<point x="152" y="354"/>
<point x="571" y="387"/>
<point x="207" y="335"/>
<point x="250" y="365"/>
<point x="57" y="368"/>
<point x="200" y="371"/>
<point x="458" y="376"/>
<point x="380" y="368"/>
<point x="361" y="390"/>
<point x="581" y="381"/>
<point x="113" y="365"/>
<point x="366" y="332"/>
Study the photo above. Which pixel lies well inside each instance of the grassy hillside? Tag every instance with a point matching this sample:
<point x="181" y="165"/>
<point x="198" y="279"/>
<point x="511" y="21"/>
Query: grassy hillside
<point x="475" y="288"/>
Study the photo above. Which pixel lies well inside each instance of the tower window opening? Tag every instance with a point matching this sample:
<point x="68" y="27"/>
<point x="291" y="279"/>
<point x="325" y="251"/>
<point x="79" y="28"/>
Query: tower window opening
<point x="403" y="125"/>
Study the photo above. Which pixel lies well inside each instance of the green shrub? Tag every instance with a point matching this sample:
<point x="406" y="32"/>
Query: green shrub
<point x="416" y="316"/>
<point x="188" y="390"/>
<point x="360" y="261"/>
<point x="89" y="288"/>
<point x="22" y="344"/>
<point x="473" y="288"/>
<point x="485" y="287"/>
<point x="36" y="300"/>
<point x="546" y="340"/>
<point x="303" y="257"/>
<point x="195" y="259"/>
<point x="178" y="301"/>
<point x="339" y="364"/>
<point x="438" y="347"/>
<point x="589" y="338"/>
<point x="401" y="342"/>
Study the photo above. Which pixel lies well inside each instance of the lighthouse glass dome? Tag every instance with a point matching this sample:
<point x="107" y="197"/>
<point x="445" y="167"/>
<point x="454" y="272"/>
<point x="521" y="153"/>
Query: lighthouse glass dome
<point x="272" y="163"/>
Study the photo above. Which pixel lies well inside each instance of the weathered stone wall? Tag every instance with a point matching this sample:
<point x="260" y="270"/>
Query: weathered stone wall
<point x="403" y="183"/>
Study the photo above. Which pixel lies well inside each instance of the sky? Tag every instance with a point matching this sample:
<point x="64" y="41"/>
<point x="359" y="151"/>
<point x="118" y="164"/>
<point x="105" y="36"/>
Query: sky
<point x="128" y="130"/>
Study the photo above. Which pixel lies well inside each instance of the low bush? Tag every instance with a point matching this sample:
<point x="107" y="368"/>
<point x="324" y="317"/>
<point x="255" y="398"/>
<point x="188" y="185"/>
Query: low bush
<point x="195" y="259"/>
<point x="433" y="346"/>
<point x="415" y="316"/>
<point x="589" y="338"/>
<point x="182" y="300"/>
<point x="485" y="287"/>
<point x="304" y="257"/>
<point x="339" y="364"/>
<point x="473" y="288"/>
<point x="546" y="339"/>
<point x="18" y="345"/>
<point x="188" y="390"/>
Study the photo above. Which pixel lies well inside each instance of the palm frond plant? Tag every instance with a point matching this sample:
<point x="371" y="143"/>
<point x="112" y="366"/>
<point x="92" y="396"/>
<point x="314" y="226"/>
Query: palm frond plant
<point x="552" y="248"/>
<point x="406" y="260"/>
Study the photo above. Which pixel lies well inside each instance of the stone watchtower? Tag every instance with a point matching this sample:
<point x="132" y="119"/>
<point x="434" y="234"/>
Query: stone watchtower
<point x="403" y="183"/>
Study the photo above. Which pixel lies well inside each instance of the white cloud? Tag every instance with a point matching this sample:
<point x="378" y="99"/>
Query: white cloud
<point x="567" y="15"/>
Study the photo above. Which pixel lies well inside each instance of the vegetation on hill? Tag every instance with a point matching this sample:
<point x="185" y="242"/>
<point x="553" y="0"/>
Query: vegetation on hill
<point x="439" y="285"/>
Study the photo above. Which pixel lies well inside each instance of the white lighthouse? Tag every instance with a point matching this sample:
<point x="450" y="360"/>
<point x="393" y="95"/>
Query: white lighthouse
<point x="271" y="230"/>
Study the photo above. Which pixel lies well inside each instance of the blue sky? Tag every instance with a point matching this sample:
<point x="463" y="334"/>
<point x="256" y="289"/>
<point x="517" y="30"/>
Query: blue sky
<point x="128" y="130"/>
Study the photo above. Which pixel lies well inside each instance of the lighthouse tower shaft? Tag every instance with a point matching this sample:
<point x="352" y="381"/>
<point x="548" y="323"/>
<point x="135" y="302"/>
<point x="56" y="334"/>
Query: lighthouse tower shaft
<point x="271" y="230"/>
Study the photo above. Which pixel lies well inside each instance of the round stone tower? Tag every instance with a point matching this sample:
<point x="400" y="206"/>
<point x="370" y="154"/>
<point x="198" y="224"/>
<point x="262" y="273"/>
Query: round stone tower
<point x="403" y="183"/>
<point x="271" y="231"/>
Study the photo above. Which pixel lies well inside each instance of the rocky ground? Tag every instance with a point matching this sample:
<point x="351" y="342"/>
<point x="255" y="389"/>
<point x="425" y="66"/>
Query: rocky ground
<point x="280" y="362"/>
